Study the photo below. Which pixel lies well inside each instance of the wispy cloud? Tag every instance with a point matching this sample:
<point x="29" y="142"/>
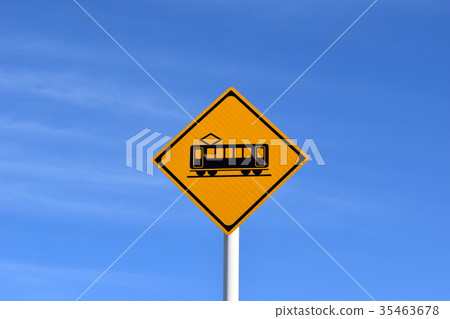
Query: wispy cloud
<point x="52" y="282"/>
<point x="79" y="90"/>
<point x="78" y="173"/>
<point x="60" y="189"/>
<point x="41" y="47"/>
<point x="40" y="128"/>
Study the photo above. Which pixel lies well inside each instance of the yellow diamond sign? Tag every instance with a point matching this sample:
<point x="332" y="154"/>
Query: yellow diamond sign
<point x="229" y="160"/>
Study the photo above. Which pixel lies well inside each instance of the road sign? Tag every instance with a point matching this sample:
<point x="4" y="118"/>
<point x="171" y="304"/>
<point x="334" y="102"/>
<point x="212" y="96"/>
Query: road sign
<point x="230" y="160"/>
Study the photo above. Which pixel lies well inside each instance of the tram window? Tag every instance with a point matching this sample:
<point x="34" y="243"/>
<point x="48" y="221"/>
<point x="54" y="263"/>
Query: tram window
<point x="210" y="152"/>
<point x="229" y="152"/>
<point x="198" y="153"/>
<point x="260" y="152"/>
<point x="238" y="152"/>
<point x="247" y="152"/>
<point x="219" y="152"/>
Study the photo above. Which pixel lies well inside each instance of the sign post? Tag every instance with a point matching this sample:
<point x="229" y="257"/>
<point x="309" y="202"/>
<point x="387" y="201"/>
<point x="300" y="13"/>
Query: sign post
<point x="229" y="161"/>
<point x="231" y="266"/>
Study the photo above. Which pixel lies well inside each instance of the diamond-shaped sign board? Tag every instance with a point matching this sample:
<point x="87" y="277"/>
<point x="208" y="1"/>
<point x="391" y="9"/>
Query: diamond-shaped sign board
<point x="229" y="160"/>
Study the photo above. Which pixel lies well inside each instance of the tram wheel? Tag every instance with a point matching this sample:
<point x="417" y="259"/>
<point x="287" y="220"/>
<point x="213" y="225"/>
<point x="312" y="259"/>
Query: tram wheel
<point x="212" y="173"/>
<point x="200" y="173"/>
<point x="245" y="172"/>
<point x="257" y="171"/>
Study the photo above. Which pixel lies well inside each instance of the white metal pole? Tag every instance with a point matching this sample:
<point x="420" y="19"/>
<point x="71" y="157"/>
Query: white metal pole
<point x="231" y="266"/>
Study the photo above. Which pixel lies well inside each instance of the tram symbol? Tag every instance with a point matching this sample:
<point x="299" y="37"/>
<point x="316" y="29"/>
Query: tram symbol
<point x="211" y="157"/>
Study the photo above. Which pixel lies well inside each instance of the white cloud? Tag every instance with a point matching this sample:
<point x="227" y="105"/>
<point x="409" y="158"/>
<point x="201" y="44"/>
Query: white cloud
<point x="50" y="282"/>
<point x="82" y="90"/>
<point x="39" y="128"/>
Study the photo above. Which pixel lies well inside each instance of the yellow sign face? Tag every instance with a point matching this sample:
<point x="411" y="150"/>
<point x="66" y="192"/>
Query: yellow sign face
<point x="230" y="160"/>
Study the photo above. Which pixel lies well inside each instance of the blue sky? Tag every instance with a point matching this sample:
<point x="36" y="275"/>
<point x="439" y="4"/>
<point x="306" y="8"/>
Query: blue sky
<point x="376" y="106"/>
